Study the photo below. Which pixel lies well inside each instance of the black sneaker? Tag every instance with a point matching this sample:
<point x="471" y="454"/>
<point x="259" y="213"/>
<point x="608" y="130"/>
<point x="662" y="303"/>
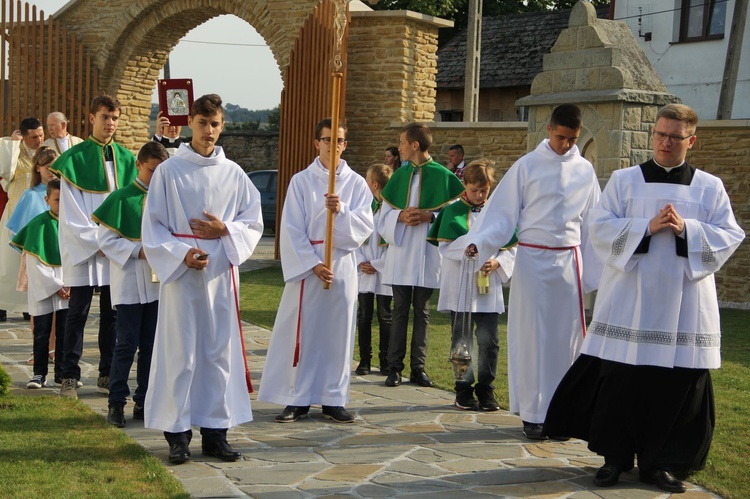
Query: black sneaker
<point x="116" y="416"/>
<point x="465" y="400"/>
<point x="102" y="385"/>
<point x="487" y="401"/>
<point x="38" y="381"/>
<point x="363" y="368"/>
<point x="138" y="413"/>
<point x="533" y="431"/>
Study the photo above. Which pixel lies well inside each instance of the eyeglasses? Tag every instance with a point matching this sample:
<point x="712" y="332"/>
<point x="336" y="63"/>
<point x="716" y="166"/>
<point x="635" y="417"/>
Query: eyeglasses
<point x="327" y="140"/>
<point x="661" y="137"/>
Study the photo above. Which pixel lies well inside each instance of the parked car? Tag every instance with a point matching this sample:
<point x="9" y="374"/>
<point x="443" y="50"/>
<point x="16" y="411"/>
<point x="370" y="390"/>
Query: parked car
<point x="266" y="182"/>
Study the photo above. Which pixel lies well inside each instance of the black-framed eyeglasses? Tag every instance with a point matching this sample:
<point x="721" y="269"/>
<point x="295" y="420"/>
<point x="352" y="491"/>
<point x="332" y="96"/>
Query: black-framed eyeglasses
<point x="661" y="137"/>
<point x="327" y="140"/>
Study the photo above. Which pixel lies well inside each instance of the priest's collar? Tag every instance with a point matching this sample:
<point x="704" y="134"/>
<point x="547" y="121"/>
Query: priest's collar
<point x="669" y="168"/>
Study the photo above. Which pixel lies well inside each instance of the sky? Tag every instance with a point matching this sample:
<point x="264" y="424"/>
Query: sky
<point x="243" y="69"/>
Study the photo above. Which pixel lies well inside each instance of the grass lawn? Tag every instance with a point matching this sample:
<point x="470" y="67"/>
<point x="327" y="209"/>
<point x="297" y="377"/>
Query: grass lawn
<point x="726" y="472"/>
<point x="57" y="447"/>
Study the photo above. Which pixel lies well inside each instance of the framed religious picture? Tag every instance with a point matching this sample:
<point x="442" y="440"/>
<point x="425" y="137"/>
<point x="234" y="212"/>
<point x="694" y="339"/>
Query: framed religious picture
<point x="176" y="99"/>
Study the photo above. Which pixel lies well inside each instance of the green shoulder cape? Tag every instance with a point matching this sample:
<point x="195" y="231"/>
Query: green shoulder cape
<point x="122" y="211"/>
<point x="39" y="237"/>
<point x="453" y="222"/>
<point x="83" y="166"/>
<point x="375" y="207"/>
<point x="438" y="186"/>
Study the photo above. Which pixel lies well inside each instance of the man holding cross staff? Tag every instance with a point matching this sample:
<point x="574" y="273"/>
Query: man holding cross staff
<point x="309" y="356"/>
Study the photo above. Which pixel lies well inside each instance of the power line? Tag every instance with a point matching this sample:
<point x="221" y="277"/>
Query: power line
<point x="707" y="2"/>
<point x="226" y="43"/>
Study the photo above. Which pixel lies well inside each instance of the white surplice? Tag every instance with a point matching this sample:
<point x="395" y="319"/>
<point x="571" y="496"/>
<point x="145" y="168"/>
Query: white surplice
<point x="455" y="273"/>
<point x="44" y="283"/>
<point x="410" y="260"/>
<point x="324" y="319"/>
<point x="79" y="249"/>
<point x="374" y="252"/>
<point x="658" y="308"/>
<point x="546" y="196"/>
<point x="197" y="369"/>
<point x="129" y="276"/>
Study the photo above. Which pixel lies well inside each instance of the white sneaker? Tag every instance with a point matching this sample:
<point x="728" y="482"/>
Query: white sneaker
<point x="38" y="381"/>
<point x="69" y="388"/>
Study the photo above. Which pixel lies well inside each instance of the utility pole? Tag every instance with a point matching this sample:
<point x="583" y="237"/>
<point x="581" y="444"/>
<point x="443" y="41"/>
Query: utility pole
<point x="732" y="64"/>
<point x="473" y="56"/>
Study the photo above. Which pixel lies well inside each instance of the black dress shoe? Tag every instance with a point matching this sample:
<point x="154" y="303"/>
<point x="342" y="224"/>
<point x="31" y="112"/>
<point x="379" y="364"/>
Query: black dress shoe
<point x="533" y="431"/>
<point x="338" y="414"/>
<point x="420" y="377"/>
<point x="292" y="413"/>
<point x="363" y="368"/>
<point x="221" y="450"/>
<point x="662" y="479"/>
<point x="178" y="452"/>
<point x="393" y="379"/>
<point x="116" y="416"/>
<point x="608" y="475"/>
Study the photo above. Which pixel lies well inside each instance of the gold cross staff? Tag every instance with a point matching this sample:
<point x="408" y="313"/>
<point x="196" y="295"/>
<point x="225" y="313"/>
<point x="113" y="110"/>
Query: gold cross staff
<point x="337" y="68"/>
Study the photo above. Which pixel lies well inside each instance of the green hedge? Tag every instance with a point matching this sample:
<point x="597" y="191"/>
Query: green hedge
<point x="5" y="381"/>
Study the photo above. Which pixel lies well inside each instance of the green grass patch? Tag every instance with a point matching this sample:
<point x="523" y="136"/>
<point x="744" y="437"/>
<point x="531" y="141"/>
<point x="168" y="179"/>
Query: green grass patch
<point x="726" y="470"/>
<point x="57" y="447"/>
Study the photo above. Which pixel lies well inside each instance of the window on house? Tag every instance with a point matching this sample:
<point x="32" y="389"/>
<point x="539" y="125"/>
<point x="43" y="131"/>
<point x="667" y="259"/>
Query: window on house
<point x="703" y="19"/>
<point x="451" y="115"/>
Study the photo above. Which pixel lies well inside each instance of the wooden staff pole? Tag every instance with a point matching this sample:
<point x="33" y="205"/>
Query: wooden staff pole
<point x="335" y="158"/>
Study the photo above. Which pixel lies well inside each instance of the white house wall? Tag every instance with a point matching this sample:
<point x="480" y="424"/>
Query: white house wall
<point x="693" y="70"/>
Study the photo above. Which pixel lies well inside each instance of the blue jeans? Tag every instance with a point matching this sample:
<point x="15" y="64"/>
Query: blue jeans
<point x="403" y="298"/>
<point x="488" y="347"/>
<point x="364" y="326"/>
<point x="136" y="326"/>
<point x="78" y="312"/>
<point x="42" y="331"/>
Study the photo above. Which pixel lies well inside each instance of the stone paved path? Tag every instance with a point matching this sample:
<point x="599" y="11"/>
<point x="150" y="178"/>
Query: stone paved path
<point x="407" y="442"/>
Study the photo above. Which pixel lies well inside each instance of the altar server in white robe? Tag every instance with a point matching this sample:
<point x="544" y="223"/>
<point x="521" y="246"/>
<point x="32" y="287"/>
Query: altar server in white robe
<point x="310" y="353"/>
<point x="546" y="194"/>
<point x="641" y="386"/>
<point x="202" y="220"/>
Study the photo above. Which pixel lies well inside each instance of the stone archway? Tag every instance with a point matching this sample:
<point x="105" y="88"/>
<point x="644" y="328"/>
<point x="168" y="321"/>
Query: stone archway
<point x="130" y="42"/>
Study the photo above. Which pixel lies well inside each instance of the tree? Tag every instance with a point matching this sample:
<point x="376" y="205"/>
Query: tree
<point x="457" y="10"/>
<point x="274" y="118"/>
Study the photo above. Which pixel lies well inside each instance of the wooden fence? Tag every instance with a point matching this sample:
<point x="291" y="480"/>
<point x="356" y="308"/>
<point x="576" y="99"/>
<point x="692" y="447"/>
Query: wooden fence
<point x="306" y="98"/>
<point x="42" y="69"/>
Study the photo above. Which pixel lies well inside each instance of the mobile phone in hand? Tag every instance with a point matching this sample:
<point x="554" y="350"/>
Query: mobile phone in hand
<point x="202" y="257"/>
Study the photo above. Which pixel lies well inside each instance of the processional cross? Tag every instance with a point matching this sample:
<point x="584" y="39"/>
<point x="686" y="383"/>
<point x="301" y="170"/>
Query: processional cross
<point x="337" y="72"/>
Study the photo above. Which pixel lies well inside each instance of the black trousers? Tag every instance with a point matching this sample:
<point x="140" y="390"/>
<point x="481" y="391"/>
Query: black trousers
<point x="78" y="312"/>
<point x="207" y="435"/>
<point x="42" y="331"/>
<point x="403" y="299"/>
<point x="364" y="326"/>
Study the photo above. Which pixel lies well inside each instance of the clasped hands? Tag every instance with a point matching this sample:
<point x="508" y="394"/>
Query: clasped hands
<point x="667" y="218"/>
<point x="413" y="216"/>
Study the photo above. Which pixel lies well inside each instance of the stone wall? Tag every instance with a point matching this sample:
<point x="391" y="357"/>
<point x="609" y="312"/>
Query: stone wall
<point x="130" y="41"/>
<point x="723" y="149"/>
<point x="391" y="73"/>
<point x="252" y="150"/>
